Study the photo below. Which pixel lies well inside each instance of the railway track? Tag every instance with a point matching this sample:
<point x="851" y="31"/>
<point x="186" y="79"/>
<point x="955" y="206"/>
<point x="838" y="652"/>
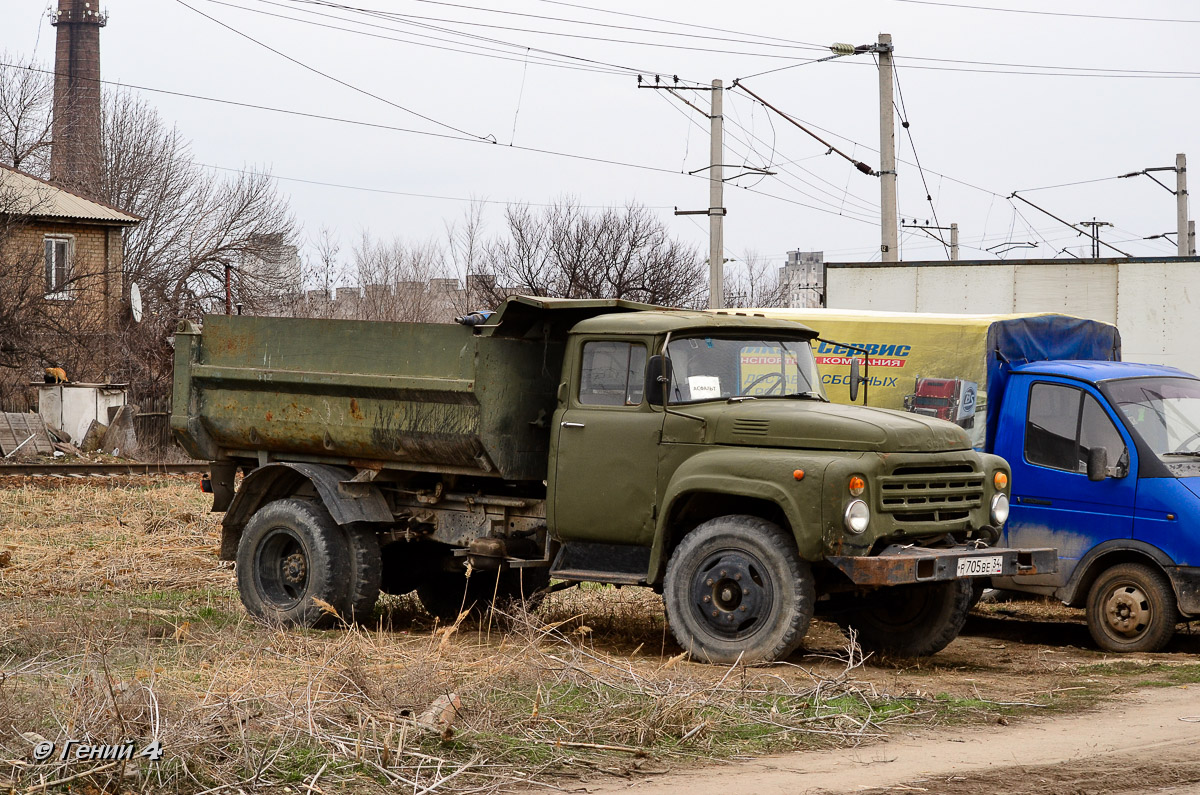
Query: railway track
<point x="108" y="469"/>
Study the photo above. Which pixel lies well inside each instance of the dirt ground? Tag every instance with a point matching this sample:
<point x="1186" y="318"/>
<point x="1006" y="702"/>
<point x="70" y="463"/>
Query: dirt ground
<point x="118" y="620"/>
<point x="1141" y="742"/>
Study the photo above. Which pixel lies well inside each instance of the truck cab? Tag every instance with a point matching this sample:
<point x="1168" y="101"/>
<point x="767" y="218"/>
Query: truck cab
<point x="1105" y="461"/>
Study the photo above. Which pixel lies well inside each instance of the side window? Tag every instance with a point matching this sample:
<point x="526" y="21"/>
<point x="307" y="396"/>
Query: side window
<point x="613" y="374"/>
<point x="58" y="262"/>
<point x="1064" y="423"/>
<point x="1052" y="427"/>
<point x="1097" y="430"/>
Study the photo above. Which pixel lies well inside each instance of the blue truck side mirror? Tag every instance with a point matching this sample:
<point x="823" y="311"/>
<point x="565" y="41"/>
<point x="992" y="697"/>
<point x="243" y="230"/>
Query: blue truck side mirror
<point x="1097" y="463"/>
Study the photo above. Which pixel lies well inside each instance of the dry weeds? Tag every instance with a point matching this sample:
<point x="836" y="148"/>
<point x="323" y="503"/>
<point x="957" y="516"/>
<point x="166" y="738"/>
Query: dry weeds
<point x="118" y="623"/>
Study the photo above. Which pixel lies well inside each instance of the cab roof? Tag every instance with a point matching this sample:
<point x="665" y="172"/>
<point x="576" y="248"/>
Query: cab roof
<point x="1096" y="371"/>
<point x="660" y="321"/>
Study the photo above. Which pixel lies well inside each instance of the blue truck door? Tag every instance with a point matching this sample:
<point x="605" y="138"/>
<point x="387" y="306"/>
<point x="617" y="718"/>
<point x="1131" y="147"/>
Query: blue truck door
<point x="1054" y="504"/>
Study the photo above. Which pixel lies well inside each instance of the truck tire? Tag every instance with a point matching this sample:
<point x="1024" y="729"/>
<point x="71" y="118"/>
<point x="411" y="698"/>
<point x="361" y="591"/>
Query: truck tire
<point x="1131" y="608"/>
<point x="909" y="620"/>
<point x="446" y="594"/>
<point x="736" y="588"/>
<point x="291" y="554"/>
<point x="365" y="572"/>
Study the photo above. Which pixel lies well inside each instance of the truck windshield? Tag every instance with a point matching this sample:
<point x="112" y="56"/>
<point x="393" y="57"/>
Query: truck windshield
<point x="719" y="368"/>
<point x="1165" y="412"/>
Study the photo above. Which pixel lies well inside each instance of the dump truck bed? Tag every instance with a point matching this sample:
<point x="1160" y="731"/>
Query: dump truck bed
<point x="414" y="396"/>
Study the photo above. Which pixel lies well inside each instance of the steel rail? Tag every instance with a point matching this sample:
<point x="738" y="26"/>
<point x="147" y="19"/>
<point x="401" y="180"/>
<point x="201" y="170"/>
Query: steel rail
<point x="75" y="470"/>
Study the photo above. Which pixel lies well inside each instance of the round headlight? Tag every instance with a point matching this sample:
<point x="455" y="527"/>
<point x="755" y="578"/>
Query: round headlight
<point x="999" y="510"/>
<point x="857" y="516"/>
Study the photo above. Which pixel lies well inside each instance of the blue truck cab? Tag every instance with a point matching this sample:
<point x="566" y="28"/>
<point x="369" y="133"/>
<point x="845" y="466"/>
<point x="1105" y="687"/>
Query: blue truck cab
<point x="1105" y="459"/>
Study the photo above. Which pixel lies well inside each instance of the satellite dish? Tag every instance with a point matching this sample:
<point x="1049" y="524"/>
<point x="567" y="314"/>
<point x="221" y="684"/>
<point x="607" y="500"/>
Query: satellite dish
<point x="135" y="302"/>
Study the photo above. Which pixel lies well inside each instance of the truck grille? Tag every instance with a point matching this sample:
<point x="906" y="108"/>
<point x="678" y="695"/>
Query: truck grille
<point x="931" y="494"/>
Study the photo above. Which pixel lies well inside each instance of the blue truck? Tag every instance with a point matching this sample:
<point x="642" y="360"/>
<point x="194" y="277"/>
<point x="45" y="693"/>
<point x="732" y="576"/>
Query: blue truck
<point x="1105" y="454"/>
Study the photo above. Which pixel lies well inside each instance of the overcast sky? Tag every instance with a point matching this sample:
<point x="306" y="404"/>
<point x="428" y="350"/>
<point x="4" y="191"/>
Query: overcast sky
<point x="526" y="74"/>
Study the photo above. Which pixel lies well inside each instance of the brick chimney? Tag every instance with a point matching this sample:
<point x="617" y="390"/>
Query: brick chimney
<point x="75" y="156"/>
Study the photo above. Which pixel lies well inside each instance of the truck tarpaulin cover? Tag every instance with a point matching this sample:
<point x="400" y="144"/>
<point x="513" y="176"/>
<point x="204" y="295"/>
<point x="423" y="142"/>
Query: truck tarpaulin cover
<point x="944" y="366"/>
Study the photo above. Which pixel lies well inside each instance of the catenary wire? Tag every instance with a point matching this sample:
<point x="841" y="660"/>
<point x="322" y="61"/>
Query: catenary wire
<point x="479" y="50"/>
<point x="1046" y="13"/>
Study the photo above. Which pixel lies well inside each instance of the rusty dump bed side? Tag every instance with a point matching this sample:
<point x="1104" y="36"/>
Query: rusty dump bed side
<point x="416" y="396"/>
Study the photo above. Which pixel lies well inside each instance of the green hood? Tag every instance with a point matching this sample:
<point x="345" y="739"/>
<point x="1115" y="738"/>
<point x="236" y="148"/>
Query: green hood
<point x="828" y="426"/>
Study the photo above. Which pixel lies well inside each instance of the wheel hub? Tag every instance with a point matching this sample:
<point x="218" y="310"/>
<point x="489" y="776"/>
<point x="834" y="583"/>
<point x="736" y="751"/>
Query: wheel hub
<point x="1127" y="610"/>
<point x="730" y="593"/>
<point x="294" y="568"/>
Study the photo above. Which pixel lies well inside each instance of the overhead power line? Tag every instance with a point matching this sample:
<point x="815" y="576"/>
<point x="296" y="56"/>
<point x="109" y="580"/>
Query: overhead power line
<point x="1046" y="13"/>
<point x="390" y="192"/>
<point x="394" y="15"/>
<point x="505" y="52"/>
<point x="368" y="124"/>
<point x="337" y="80"/>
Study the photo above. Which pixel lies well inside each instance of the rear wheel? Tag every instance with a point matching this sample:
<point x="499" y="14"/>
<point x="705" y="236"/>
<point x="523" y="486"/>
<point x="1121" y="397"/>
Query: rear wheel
<point x="291" y="555"/>
<point x="1131" y="608"/>
<point x="736" y="588"/>
<point x="365" y="572"/>
<point x="908" y="620"/>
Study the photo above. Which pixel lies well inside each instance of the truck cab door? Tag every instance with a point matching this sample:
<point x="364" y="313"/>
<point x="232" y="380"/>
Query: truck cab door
<point x="605" y="447"/>
<point x="1053" y="502"/>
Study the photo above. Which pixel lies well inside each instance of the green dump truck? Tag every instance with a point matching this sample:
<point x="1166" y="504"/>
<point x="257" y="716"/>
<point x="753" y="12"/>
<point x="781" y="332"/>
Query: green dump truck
<point x="585" y="441"/>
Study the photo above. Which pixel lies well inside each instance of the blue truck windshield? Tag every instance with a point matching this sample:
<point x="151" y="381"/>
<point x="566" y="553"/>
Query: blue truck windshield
<point x="1165" y="412"/>
<point x="717" y="368"/>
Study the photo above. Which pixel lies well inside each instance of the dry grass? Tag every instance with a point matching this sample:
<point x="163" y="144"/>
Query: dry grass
<point x="118" y="623"/>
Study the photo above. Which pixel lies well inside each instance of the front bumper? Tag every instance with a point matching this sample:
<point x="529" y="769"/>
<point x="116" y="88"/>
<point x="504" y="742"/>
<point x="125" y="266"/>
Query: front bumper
<point x="902" y="565"/>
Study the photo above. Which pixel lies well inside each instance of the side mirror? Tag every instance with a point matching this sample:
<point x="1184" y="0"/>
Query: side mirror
<point x="856" y="379"/>
<point x="658" y="379"/>
<point x="1097" y="463"/>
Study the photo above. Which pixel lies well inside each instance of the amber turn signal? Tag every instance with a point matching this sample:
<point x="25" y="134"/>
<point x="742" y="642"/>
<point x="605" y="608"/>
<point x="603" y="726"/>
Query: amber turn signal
<point x="857" y="484"/>
<point x="798" y="474"/>
<point x="1000" y="479"/>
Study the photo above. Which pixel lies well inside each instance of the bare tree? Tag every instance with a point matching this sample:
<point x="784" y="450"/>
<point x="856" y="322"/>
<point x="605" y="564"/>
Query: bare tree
<point x="563" y="251"/>
<point x="26" y="97"/>
<point x="754" y="283"/>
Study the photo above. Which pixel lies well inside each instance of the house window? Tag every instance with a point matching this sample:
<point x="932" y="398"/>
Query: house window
<point x="58" y="263"/>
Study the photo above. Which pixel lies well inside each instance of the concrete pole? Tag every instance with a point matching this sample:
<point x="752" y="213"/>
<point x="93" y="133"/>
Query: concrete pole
<point x="1181" y="205"/>
<point x="716" y="198"/>
<point x="954" y="241"/>
<point x="1191" y="238"/>
<point x="890" y="244"/>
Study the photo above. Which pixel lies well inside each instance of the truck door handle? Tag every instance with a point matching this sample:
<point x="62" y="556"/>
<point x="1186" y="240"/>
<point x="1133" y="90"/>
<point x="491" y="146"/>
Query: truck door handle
<point x="1033" y="501"/>
<point x="572" y="424"/>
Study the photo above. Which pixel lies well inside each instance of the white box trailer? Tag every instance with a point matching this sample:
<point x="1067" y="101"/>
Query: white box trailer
<point x="1153" y="301"/>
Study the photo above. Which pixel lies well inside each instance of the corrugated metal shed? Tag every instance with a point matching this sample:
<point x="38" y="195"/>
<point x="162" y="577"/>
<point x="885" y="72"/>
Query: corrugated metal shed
<point x="21" y="194"/>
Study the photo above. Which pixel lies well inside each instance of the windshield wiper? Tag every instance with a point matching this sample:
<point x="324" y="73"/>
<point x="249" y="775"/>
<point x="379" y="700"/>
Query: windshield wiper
<point x="740" y="398"/>
<point x="808" y="396"/>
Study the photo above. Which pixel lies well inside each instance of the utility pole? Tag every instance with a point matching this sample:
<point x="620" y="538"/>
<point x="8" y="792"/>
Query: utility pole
<point x="1095" y="225"/>
<point x="716" y="180"/>
<point x="1185" y="247"/>
<point x="716" y="201"/>
<point x="890" y="245"/>
<point x="953" y="241"/>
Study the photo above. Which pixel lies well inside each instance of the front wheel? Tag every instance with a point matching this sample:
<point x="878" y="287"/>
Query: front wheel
<point x="909" y="620"/>
<point x="736" y="588"/>
<point x="1131" y="608"/>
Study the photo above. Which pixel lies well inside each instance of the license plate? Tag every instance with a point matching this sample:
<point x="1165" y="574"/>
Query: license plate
<point x="980" y="567"/>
